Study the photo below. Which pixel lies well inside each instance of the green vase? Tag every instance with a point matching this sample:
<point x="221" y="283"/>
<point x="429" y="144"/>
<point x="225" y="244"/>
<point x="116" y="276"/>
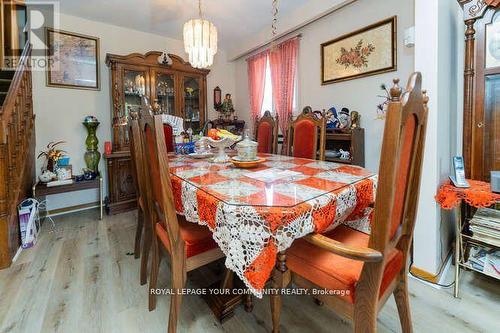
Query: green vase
<point x="92" y="155"/>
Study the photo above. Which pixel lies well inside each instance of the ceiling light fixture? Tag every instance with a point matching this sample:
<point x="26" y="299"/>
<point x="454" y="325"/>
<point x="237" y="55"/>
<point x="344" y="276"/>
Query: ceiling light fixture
<point x="200" y="41"/>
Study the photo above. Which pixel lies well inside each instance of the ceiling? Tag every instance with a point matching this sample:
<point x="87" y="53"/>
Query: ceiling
<point x="234" y="19"/>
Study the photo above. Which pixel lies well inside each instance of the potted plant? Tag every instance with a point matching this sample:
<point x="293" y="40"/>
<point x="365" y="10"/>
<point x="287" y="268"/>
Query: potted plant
<point x="52" y="155"/>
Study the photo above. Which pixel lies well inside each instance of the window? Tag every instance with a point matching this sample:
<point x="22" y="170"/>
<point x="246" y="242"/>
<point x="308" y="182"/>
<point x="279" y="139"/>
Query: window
<point x="267" y="103"/>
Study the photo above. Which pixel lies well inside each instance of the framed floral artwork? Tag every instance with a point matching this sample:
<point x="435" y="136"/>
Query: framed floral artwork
<point x="73" y="60"/>
<point x="365" y="52"/>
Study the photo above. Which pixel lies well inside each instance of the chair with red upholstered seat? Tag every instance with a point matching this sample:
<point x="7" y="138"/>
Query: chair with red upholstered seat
<point x="303" y="135"/>
<point x="361" y="271"/>
<point x="143" y="219"/>
<point x="266" y="133"/>
<point x="189" y="245"/>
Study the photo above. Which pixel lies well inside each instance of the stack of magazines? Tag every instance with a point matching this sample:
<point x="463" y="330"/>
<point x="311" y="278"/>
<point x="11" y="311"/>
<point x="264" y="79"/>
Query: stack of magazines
<point x="485" y="260"/>
<point x="485" y="226"/>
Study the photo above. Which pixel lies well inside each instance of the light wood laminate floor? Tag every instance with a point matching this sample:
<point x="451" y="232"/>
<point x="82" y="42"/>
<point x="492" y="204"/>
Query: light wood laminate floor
<point x="81" y="277"/>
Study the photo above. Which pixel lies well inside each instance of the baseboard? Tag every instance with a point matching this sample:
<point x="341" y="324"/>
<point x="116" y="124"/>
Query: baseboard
<point x="433" y="280"/>
<point x="72" y="209"/>
<point x="18" y="253"/>
<point x="420" y="273"/>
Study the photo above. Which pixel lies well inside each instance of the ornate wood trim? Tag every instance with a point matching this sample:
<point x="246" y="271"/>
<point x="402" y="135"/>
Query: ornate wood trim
<point x="474" y="11"/>
<point x="151" y="59"/>
<point x="268" y="118"/>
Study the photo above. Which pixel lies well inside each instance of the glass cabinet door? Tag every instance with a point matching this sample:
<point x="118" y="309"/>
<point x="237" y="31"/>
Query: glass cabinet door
<point x="192" y="103"/>
<point x="134" y="85"/>
<point x="164" y="93"/>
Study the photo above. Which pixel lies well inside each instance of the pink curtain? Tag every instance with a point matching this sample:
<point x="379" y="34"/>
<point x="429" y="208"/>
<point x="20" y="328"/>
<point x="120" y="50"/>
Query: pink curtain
<point x="256" y="83"/>
<point x="283" y="62"/>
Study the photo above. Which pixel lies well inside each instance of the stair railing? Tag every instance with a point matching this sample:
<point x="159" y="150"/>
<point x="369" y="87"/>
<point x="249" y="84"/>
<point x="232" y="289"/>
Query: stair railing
<point x="17" y="149"/>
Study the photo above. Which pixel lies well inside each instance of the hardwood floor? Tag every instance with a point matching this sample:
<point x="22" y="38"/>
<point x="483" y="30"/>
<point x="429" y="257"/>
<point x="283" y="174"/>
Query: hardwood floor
<point x="82" y="277"/>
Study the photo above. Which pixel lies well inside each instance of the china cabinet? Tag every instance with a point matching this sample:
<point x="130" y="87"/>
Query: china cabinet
<point x="481" y="129"/>
<point x="172" y="87"/>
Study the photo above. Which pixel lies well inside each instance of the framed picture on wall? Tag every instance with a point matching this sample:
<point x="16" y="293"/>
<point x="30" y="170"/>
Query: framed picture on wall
<point x="365" y="52"/>
<point x="73" y="60"/>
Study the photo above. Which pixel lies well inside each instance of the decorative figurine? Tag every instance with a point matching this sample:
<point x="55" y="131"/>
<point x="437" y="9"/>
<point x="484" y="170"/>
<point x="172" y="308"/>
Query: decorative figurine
<point x="140" y="84"/>
<point x="332" y="120"/>
<point x="227" y="106"/>
<point x="343" y="118"/>
<point x="164" y="59"/>
<point x="157" y="107"/>
<point x="345" y="155"/>
<point x="307" y="109"/>
<point x="355" y="119"/>
<point x="47" y="176"/>
<point x="162" y="88"/>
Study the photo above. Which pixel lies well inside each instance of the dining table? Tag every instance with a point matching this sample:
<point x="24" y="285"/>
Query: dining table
<point x="255" y="214"/>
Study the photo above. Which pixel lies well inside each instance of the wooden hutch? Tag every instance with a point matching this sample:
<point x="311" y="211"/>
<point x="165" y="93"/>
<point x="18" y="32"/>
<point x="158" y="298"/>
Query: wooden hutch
<point x="481" y="131"/>
<point x="173" y="87"/>
<point x="351" y="140"/>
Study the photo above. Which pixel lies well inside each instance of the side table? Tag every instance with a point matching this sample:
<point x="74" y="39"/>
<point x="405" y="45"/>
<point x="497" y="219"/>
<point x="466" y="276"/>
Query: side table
<point x="42" y="190"/>
<point x="478" y="195"/>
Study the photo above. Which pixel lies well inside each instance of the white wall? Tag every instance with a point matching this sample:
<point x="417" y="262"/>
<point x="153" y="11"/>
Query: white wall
<point x="439" y="56"/>
<point x="309" y="11"/>
<point x="59" y="111"/>
<point x="360" y="94"/>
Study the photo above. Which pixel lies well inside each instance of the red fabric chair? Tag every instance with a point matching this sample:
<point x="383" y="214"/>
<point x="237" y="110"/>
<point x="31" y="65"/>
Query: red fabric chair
<point x="303" y="137"/>
<point x="266" y="133"/>
<point x="168" y="131"/>
<point x="363" y="270"/>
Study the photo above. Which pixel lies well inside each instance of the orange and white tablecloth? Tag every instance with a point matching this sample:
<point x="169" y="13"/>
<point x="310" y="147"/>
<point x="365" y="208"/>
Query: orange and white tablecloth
<point x="253" y="214"/>
<point x="478" y="195"/>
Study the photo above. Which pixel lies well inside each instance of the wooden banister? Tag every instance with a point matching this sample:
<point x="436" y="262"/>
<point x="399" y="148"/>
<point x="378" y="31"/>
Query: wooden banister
<point x="17" y="150"/>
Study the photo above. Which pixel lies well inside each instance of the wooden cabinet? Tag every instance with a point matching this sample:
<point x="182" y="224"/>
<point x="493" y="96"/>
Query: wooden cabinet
<point x="351" y="140"/>
<point x="122" y="189"/>
<point x="481" y="129"/>
<point x="175" y="88"/>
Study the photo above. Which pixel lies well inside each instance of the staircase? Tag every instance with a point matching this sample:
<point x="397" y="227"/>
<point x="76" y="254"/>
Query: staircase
<point x="17" y="151"/>
<point x="5" y="81"/>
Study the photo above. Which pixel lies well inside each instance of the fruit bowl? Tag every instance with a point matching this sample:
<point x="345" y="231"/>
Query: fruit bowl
<point x="221" y="146"/>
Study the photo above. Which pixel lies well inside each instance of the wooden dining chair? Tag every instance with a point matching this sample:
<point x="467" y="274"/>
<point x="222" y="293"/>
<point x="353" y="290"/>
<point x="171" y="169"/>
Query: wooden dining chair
<point x="364" y="270"/>
<point x="188" y="245"/>
<point x="266" y="133"/>
<point x="303" y="137"/>
<point x="143" y="216"/>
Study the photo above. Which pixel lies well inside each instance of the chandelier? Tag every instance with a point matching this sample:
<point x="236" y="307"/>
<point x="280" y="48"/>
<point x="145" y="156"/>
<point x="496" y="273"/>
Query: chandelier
<point x="200" y="41"/>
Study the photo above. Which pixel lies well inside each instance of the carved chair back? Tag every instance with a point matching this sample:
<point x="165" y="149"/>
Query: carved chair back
<point x="399" y="180"/>
<point x="303" y="135"/>
<point x="161" y="199"/>
<point x="266" y="133"/>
